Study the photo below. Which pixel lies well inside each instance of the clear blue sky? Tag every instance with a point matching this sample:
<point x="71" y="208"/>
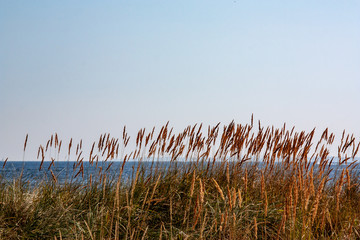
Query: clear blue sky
<point x="80" y="68"/>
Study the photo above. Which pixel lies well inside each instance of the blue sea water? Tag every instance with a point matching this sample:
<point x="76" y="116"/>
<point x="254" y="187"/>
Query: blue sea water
<point x="66" y="171"/>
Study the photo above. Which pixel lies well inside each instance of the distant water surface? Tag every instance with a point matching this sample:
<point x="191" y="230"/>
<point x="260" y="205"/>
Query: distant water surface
<point x="66" y="171"/>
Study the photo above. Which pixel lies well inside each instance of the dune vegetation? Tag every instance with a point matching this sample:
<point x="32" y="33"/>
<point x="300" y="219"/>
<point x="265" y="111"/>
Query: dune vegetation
<point x="238" y="181"/>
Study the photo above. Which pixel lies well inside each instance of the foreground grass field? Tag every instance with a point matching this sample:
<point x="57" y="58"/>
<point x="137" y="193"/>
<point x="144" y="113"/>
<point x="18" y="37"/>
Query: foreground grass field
<point x="218" y="194"/>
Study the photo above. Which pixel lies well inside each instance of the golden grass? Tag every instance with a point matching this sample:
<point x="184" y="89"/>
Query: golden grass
<point x="231" y="182"/>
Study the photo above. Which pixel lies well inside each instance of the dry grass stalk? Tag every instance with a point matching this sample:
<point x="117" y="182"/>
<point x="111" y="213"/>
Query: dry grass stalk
<point x="317" y="199"/>
<point x="218" y="189"/>
<point x="348" y="179"/>
<point x="266" y="204"/>
<point x="5" y="162"/>
<point x="26" y="139"/>
<point x="192" y="186"/>
<point x="240" y="198"/>
<point x="233" y="203"/>
<point x="255" y="228"/>
<point x="201" y="191"/>
<point x="227" y="173"/>
<point x="338" y="190"/>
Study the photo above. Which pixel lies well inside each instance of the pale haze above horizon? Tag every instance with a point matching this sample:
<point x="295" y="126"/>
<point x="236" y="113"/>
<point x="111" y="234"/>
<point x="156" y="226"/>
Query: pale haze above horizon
<point x="82" y="68"/>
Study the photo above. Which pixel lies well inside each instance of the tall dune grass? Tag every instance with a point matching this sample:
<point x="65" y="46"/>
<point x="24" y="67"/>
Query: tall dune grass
<point x="231" y="182"/>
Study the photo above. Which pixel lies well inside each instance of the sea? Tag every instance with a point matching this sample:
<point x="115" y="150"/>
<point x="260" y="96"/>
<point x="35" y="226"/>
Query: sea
<point x="66" y="171"/>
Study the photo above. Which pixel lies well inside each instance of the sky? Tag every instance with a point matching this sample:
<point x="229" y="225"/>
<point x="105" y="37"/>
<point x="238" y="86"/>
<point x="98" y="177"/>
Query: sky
<point x="82" y="68"/>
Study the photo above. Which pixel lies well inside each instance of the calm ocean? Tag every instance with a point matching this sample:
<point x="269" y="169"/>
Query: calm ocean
<point x="65" y="170"/>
